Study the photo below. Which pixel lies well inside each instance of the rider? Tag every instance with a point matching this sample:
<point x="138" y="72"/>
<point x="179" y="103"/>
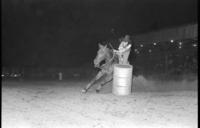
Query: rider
<point x="124" y="50"/>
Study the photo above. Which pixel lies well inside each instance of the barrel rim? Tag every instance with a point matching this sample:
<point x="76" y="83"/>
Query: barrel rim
<point x="123" y="65"/>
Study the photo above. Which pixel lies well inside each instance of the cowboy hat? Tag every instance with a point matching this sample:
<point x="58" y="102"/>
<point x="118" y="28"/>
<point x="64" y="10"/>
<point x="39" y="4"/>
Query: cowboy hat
<point x="127" y="38"/>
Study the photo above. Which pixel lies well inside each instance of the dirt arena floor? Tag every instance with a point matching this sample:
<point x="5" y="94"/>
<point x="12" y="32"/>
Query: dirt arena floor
<point x="54" y="104"/>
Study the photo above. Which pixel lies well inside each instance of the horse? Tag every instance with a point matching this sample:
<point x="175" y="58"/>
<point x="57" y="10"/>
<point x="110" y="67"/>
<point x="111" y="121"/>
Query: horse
<point x="106" y="73"/>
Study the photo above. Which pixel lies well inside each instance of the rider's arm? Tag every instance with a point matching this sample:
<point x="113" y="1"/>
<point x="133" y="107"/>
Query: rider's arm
<point x="125" y="49"/>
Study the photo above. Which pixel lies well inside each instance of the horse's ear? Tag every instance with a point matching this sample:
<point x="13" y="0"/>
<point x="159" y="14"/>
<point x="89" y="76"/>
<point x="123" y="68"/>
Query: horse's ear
<point x="100" y="45"/>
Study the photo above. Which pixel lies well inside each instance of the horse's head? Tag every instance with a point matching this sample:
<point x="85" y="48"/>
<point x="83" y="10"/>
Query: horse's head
<point x="101" y="55"/>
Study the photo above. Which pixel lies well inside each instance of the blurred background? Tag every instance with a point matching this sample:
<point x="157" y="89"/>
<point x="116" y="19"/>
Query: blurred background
<point x="47" y="39"/>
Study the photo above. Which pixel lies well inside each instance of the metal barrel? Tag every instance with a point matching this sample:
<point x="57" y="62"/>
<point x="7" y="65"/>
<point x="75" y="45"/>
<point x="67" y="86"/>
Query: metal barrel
<point x="122" y="79"/>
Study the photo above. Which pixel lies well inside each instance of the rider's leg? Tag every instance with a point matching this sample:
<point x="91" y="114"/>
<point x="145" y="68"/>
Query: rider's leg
<point x="120" y="57"/>
<point x="125" y="57"/>
<point x="98" y="76"/>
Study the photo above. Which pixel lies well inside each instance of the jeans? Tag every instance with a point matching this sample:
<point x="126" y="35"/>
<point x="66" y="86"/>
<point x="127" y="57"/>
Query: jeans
<point x="123" y="57"/>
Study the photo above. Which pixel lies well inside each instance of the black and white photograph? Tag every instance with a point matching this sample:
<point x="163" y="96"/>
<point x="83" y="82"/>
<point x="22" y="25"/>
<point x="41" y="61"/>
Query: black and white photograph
<point x="99" y="63"/>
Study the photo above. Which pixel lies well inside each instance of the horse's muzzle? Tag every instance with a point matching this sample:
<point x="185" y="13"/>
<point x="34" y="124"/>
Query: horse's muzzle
<point x="96" y="64"/>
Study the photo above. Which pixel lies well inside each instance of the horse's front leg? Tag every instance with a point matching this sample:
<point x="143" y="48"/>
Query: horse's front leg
<point x="107" y="79"/>
<point x="98" y="76"/>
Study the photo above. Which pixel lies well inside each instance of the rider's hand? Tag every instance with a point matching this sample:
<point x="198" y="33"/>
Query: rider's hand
<point x="115" y="50"/>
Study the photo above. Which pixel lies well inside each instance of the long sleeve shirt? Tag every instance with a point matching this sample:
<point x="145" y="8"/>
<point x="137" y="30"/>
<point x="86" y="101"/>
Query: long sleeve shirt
<point x="123" y="48"/>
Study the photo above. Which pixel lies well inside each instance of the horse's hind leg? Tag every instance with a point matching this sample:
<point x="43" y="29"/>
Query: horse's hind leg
<point x="107" y="79"/>
<point x="98" y="76"/>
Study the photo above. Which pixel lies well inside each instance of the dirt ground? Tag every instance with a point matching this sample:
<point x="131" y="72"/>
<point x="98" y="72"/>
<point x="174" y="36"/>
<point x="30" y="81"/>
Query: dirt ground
<point x="54" y="104"/>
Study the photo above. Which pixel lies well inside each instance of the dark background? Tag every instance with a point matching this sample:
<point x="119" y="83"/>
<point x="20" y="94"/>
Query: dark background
<point x="65" y="33"/>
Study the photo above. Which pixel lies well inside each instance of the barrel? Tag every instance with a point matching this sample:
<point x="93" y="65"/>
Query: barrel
<point x="122" y="79"/>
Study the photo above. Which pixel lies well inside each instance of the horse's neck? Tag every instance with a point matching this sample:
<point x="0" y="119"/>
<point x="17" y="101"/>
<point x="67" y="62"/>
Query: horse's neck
<point x="109" y="56"/>
<point x="110" y="60"/>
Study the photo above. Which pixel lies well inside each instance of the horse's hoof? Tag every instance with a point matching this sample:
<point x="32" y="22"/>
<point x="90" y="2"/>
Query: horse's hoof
<point x="97" y="91"/>
<point x="83" y="90"/>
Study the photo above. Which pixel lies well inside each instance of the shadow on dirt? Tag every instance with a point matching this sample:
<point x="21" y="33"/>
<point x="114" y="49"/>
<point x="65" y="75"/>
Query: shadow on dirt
<point x="142" y="84"/>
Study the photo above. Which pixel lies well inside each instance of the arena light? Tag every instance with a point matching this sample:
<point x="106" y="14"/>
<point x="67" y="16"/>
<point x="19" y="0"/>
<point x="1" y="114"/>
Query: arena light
<point x="194" y="45"/>
<point x="180" y="43"/>
<point x="179" y="47"/>
<point x="154" y="43"/>
<point x="141" y="45"/>
<point x="135" y="50"/>
<point x="150" y="50"/>
<point x="171" y="41"/>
